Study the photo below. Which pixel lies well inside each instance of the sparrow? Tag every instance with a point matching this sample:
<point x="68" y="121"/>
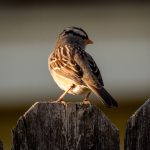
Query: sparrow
<point x="74" y="70"/>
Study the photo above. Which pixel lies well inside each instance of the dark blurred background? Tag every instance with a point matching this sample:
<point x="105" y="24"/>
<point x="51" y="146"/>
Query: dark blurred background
<point x="28" y="30"/>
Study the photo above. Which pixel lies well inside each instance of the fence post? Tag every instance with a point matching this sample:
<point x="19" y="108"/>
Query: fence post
<point x="138" y="129"/>
<point x="51" y="126"/>
<point x="1" y="145"/>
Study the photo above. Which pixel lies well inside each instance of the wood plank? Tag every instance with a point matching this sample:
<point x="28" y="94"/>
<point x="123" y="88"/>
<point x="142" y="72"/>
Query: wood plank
<point x="138" y="129"/>
<point x="51" y="126"/>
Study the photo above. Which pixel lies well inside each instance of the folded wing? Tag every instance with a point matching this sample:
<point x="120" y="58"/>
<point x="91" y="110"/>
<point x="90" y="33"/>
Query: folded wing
<point x="92" y="77"/>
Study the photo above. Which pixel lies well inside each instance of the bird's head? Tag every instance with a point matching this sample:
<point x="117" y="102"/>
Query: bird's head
<point x="74" y="35"/>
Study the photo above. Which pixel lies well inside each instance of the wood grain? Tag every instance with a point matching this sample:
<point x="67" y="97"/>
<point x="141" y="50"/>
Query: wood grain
<point x="1" y="145"/>
<point x="52" y="126"/>
<point x="138" y="129"/>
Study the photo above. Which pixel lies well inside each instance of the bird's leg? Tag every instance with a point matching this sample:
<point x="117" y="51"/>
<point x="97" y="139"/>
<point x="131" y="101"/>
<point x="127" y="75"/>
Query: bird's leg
<point x="86" y="101"/>
<point x="60" y="99"/>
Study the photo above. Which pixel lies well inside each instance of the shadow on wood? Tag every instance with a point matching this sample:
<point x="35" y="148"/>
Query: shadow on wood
<point x="138" y="129"/>
<point x="51" y="126"/>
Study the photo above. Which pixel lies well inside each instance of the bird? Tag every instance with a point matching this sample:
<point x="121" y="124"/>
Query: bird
<point x="74" y="70"/>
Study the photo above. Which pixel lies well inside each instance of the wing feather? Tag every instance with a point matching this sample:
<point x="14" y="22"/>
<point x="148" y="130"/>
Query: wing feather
<point x="94" y="68"/>
<point x="92" y="75"/>
<point x="62" y="62"/>
<point x="93" y="79"/>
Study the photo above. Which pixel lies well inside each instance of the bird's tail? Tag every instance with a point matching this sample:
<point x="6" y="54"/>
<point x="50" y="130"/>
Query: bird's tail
<point x="108" y="100"/>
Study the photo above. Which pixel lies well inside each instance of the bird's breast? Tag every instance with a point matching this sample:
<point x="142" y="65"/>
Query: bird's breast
<point x="65" y="83"/>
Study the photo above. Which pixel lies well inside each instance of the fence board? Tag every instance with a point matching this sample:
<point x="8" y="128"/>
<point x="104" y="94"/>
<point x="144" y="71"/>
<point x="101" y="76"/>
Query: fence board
<point x="51" y="126"/>
<point x="138" y="129"/>
<point x="1" y="145"/>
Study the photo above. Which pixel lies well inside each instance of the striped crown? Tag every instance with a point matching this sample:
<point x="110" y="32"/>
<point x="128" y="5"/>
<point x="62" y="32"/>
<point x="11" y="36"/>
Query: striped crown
<point x="75" y="31"/>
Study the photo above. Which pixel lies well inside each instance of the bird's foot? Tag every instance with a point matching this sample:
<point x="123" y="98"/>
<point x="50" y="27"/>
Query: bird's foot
<point x="60" y="101"/>
<point x="86" y="102"/>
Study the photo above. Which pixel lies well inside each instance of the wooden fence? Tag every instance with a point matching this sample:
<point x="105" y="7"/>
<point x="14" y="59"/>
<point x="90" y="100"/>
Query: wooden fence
<point x="50" y="126"/>
<point x="138" y="129"/>
<point x="1" y="145"/>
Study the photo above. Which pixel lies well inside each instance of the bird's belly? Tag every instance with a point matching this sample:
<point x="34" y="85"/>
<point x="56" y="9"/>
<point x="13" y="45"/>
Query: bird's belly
<point x="79" y="89"/>
<point x="65" y="83"/>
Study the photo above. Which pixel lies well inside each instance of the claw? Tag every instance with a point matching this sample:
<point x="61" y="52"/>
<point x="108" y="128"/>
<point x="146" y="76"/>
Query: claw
<point x="86" y="102"/>
<point x="60" y="101"/>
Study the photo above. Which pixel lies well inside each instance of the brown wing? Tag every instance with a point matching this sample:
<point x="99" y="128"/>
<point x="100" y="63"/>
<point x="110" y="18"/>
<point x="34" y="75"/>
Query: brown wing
<point x="92" y="78"/>
<point x="89" y="67"/>
<point x="61" y="61"/>
<point x="94" y="68"/>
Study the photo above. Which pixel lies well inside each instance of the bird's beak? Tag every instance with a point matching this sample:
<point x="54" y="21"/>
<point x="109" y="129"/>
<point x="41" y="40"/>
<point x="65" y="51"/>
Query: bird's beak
<point x="89" y="41"/>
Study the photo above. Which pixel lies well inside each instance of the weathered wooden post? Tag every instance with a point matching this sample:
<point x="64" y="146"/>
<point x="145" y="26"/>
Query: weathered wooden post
<point x="138" y="129"/>
<point x="1" y="145"/>
<point x="51" y="126"/>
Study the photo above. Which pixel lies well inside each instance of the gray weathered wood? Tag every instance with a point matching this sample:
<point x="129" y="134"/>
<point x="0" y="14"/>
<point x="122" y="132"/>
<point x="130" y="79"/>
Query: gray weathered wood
<point x="1" y="145"/>
<point x="51" y="126"/>
<point x="138" y="129"/>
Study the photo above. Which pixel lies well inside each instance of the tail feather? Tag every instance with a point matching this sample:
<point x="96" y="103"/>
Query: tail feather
<point x="108" y="100"/>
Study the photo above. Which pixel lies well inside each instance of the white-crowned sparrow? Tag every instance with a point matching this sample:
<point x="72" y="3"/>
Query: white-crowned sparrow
<point x="74" y="70"/>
